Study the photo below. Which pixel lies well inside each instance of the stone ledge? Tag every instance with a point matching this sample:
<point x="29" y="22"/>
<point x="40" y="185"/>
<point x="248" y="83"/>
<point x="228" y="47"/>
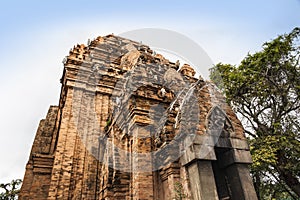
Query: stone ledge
<point x="235" y="156"/>
<point x="221" y="142"/>
<point x="198" y="152"/>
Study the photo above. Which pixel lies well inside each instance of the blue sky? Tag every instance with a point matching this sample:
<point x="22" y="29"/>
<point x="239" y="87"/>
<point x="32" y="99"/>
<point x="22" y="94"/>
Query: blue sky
<point x="35" y="36"/>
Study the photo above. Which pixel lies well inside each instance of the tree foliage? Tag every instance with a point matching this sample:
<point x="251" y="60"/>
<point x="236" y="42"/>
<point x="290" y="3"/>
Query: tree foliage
<point x="264" y="90"/>
<point x="10" y="190"/>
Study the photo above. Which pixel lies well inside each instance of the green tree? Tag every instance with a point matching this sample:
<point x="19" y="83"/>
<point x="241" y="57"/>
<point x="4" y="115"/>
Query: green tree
<point x="264" y="90"/>
<point x="10" y="190"/>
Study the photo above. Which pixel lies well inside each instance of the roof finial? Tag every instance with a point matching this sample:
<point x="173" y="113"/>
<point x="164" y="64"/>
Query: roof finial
<point x="187" y="70"/>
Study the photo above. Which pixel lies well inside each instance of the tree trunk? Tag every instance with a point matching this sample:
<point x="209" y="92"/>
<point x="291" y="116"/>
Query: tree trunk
<point x="286" y="175"/>
<point x="257" y="184"/>
<point x="290" y="180"/>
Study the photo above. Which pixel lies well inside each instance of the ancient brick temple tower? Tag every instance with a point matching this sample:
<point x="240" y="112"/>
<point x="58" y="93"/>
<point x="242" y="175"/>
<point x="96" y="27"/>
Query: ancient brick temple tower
<point x="130" y="124"/>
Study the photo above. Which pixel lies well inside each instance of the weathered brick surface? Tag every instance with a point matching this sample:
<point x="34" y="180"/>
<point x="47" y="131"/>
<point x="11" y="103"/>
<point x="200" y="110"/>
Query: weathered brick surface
<point x="131" y="125"/>
<point x="38" y="170"/>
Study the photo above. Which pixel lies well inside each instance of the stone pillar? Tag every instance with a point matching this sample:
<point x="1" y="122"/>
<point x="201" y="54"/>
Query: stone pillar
<point x="198" y="161"/>
<point x="63" y="159"/>
<point x="202" y="180"/>
<point x="235" y="163"/>
<point x="218" y="168"/>
<point x="170" y="177"/>
<point x="240" y="182"/>
<point x="142" y="175"/>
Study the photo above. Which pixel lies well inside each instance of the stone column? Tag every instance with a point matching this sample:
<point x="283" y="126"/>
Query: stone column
<point x="170" y="176"/>
<point x="198" y="161"/>
<point x="235" y="165"/>
<point x="240" y="182"/>
<point x="202" y="180"/>
<point x="142" y="175"/>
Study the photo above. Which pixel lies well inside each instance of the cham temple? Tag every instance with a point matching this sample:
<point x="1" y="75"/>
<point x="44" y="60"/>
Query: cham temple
<point x="130" y="124"/>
